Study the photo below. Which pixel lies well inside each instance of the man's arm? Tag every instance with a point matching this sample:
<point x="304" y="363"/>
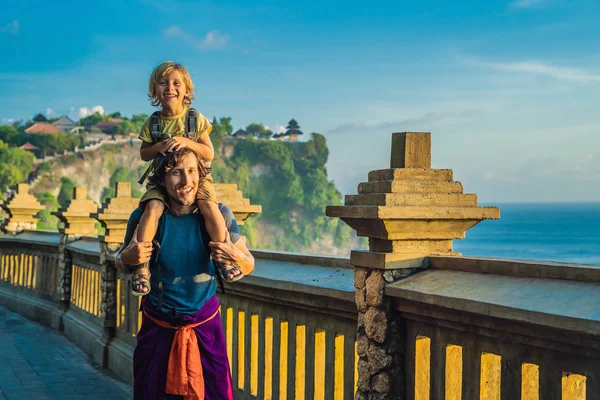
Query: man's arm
<point x="132" y="252"/>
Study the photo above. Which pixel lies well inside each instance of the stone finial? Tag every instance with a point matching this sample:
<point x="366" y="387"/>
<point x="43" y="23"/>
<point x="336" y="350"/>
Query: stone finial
<point x="21" y="210"/>
<point x="229" y="195"/>
<point x="115" y="213"/>
<point x="77" y="215"/>
<point x="409" y="211"/>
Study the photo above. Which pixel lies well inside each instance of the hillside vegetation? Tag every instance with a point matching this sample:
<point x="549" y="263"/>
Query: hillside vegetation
<point x="288" y="179"/>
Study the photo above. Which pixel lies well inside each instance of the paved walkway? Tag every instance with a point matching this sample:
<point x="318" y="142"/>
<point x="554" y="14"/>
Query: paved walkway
<point x="39" y="363"/>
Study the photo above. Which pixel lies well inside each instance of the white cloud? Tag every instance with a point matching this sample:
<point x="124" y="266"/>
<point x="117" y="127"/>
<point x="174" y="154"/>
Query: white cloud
<point x="12" y="28"/>
<point x="85" y="112"/>
<point x="213" y="40"/>
<point x="7" y="121"/>
<point x="539" y="68"/>
<point x="279" y="129"/>
<point x="49" y="112"/>
<point x="525" y="3"/>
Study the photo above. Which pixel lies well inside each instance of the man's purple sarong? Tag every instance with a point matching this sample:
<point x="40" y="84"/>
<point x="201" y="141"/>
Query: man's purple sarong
<point x="151" y="355"/>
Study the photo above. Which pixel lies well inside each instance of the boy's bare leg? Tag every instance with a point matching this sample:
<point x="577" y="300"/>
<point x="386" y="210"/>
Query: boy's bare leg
<point x="147" y="228"/>
<point x="214" y="221"/>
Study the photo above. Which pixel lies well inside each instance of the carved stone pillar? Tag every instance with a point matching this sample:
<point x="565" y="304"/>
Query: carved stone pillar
<point x="228" y="194"/>
<point x="77" y="223"/>
<point x="408" y="212"/>
<point x="21" y="210"/>
<point x="113" y="216"/>
<point x="77" y="215"/>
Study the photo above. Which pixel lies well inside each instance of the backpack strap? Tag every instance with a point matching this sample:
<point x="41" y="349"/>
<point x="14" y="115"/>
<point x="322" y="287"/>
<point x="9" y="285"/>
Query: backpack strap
<point x="155" y="130"/>
<point x="191" y="124"/>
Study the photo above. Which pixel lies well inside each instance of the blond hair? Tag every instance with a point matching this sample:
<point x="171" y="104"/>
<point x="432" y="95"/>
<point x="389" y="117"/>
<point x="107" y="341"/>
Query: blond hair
<point x="164" y="69"/>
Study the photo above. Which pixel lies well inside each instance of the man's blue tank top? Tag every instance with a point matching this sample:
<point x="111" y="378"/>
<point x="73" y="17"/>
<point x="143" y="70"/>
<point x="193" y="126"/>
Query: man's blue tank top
<point x="182" y="263"/>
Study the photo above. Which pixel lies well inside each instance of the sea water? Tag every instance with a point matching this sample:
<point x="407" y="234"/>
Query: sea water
<point x="567" y="232"/>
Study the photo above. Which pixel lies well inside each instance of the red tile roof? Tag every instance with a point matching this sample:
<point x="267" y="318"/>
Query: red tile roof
<point x="43" y="128"/>
<point x="28" y="146"/>
<point x="108" y="124"/>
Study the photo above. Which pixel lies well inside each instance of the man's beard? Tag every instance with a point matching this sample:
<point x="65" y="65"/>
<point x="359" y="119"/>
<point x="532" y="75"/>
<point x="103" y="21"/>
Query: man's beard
<point x="181" y="202"/>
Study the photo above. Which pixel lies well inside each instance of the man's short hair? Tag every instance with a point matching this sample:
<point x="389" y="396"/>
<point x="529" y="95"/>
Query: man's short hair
<point x="164" y="164"/>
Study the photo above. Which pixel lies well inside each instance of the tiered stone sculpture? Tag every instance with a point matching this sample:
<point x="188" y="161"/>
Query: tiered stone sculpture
<point x="21" y="211"/>
<point x="77" y="215"/>
<point x="78" y="222"/>
<point x="408" y="212"/>
<point x="115" y="214"/>
<point x="113" y="217"/>
<point x="228" y="194"/>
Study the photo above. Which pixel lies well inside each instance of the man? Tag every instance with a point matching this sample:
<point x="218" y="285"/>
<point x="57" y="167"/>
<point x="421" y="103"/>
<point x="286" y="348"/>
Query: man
<point x="181" y="348"/>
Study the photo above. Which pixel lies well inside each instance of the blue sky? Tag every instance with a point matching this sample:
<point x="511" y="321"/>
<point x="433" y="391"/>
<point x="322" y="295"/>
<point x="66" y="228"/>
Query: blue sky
<point x="509" y="89"/>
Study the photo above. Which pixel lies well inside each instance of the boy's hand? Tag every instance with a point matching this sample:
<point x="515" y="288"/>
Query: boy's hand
<point x="161" y="148"/>
<point x="175" y="143"/>
<point x="225" y="252"/>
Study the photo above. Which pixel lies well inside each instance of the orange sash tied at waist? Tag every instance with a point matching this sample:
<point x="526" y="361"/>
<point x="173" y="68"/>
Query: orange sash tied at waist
<point x="184" y="372"/>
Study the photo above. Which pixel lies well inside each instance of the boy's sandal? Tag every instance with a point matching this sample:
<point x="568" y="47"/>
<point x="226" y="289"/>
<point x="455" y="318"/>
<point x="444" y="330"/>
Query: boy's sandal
<point x="140" y="280"/>
<point x="232" y="274"/>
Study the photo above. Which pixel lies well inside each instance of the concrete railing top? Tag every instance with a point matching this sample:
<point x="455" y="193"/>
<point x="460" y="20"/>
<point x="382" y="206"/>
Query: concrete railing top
<point x="547" y="294"/>
<point x="328" y="276"/>
<point x="33" y="237"/>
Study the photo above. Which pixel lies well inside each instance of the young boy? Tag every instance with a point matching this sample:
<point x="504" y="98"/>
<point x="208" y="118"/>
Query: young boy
<point x="170" y="87"/>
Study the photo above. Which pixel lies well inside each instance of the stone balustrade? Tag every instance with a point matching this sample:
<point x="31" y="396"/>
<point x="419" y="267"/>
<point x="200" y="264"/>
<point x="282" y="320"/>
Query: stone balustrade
<point x="407" y="319"/>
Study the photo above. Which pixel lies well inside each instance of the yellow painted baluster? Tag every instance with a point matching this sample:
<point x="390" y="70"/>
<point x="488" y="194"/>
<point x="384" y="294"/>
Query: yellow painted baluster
<point x="319" y="368"/>
<point x="453" y="372"/>
<point x="573" y="386"/>
<point x="254" y="354"/>
<point x="422" y="367"/>
<point x="241" y="347"/>
<point x="489" y="388"/>
<point x="300" y="373"/>
<point x="283" y="356"/>
<point x="268" y="358"/>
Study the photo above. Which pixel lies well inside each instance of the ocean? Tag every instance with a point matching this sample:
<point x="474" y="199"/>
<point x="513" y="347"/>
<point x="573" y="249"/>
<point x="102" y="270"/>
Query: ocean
<point x="566" y="232"/>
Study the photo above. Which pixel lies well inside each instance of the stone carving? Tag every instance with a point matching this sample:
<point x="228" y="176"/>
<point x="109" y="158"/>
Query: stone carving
<point x="76" y="216"/>
<point x="408" y="212"/>
<point x="114" y="215"/>
<point x="228" y="194"/>
<point x="108" y="288"/>
<point x="21" y="210"/>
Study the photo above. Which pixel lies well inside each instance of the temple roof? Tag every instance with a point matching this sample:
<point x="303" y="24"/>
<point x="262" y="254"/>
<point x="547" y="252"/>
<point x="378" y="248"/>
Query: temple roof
<point x="40" y="118"/>
<point x="240" y="133"/>
<point x="293" y="128"/>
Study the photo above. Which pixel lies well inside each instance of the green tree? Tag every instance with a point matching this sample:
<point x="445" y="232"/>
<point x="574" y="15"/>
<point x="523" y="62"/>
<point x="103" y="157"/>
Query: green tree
<point x="46" y="220"/>
<point x="259" y="130"/>
<point x="10" y="135"/>
<point x="225" y="125"/>
<point x="122" y="174"/>
<point x="92" y="119"/>
<point x="65" y="194"/>
<point x="138" y="121"/>
<point x="15" y="165"/>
